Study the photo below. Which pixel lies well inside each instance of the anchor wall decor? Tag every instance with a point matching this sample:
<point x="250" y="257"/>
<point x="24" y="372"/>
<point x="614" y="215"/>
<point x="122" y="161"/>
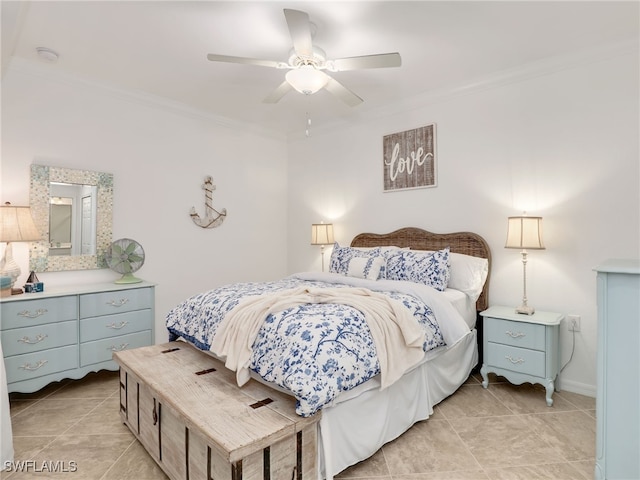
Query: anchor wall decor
<point x="213" y="217"/>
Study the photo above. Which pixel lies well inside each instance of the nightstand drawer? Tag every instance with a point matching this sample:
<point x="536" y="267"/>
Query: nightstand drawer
<point x="118" y="301"/>
<point x="33" y="339"/>
<point x="38" y="311"/>
<point x="37" y="364"/>
<point x="97" y="328"/>
<point x="518" y="334"/>
<point x="521" y="360"/>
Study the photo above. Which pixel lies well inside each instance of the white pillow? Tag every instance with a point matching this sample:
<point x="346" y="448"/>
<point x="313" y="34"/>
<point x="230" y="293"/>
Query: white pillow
<point x="363" y="267"/>
<point x="468" y="274"/>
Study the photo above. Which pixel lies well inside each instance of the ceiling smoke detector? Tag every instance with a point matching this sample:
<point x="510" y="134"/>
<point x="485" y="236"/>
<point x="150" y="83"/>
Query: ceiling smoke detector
<point x="47" y="54"/>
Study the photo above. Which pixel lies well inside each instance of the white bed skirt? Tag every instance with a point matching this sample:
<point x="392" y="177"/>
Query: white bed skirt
<point x="356" y="427"/>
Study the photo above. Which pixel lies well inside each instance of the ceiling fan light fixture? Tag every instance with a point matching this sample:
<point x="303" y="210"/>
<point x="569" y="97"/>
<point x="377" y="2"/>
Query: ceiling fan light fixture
<point x="306" y="79"/>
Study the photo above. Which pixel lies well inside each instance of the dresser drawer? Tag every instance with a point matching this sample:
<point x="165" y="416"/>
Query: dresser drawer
<point x="102" y="350"/>
<point x="96" y="328"/>
<point x="42" y="337"/>
<point x="119" y="301"/>
<point x="37" y="364"/>
<point x="38" y="311"/>
<point x="521" y="360"/>
<point x="518" y="334"/>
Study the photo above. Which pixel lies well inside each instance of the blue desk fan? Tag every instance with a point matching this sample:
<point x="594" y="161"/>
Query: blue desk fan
<point x="125" y="256"/>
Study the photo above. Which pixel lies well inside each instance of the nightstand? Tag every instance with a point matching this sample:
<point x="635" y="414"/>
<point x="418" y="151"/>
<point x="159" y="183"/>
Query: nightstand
<point x="521" y="348"/>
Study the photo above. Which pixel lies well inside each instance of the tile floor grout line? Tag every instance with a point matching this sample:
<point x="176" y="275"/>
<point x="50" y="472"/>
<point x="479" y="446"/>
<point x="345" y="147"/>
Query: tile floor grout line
<point x="134" y="440"/>
<point x="78" y="420"/>
<point x="453" y="429"/>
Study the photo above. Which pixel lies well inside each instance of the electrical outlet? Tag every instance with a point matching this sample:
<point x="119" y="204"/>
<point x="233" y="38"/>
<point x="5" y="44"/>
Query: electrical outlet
<point x="573" y="323"/>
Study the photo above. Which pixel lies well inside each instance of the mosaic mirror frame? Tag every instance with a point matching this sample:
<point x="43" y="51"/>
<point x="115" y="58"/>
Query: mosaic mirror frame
<point x="41" y="178"/>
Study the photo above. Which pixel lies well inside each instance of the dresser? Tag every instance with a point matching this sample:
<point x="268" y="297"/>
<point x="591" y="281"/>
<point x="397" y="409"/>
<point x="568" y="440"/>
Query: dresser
<point x="71" y="331"/>
<point x="521" y="348"/>
<point x="618" y="370"/>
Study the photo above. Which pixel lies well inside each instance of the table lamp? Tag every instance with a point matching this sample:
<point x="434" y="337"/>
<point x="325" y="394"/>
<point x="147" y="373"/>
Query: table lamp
<point x="322" y="234"/>
<point x="525" y="233"/>
<point x="16" y="225"/>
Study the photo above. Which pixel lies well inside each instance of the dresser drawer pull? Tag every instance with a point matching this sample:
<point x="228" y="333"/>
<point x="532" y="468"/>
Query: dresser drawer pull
<point x="122" y="346"/>
<point x="515" y="335"/>
<point x="117" y="303"/>
<point x="515" y="361"/>
<point x="36" y="314"/>
<point x="118" y="327"/>
<point x="40" y="337"/>
<point x="28" y="366"/>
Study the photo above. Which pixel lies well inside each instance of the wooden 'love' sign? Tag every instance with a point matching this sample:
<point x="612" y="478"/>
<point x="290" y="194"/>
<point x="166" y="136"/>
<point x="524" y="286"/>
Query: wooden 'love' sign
<point x="409" y="159"/>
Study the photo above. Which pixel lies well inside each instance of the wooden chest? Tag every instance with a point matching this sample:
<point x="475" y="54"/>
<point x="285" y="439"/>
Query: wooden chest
<point x="186" y="409"/>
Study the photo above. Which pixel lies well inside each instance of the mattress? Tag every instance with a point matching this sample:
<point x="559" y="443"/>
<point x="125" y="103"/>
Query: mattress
<point x="464" y="304"/>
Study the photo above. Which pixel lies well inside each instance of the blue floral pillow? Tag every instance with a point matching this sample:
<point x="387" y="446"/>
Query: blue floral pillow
<point x="342" y="256"/>
<point x="430" y="268"/>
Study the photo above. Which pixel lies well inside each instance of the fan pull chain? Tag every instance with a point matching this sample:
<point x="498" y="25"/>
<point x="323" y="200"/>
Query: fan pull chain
<point x="307" y="131"/>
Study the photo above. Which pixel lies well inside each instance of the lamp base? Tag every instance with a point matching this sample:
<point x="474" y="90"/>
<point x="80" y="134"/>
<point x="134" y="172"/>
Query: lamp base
<point x="525" y="310"/>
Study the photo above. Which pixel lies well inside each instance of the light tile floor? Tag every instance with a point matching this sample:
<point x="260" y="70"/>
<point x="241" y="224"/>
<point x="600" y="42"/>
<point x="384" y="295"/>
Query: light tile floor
<point x="505" y="432"/>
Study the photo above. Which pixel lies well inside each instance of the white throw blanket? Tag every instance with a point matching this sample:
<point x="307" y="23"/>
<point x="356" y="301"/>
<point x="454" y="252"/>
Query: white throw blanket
<point x="396" y="334"/>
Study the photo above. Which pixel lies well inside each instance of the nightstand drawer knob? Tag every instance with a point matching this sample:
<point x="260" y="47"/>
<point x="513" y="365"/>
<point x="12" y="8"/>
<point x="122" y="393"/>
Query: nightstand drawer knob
<point x="515" y="335"/>
<point x="515" y="361"/>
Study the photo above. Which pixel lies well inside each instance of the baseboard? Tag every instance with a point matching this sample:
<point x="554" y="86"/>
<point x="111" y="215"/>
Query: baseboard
<point x="577" y="387"/>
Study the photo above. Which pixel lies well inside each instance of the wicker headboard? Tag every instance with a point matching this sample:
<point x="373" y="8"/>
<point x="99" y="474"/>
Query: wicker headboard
<point x="417" y="239"/>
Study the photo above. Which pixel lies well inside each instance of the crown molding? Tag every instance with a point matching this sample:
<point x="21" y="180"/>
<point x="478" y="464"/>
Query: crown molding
<point x="35" y="69"/>
<point x="546" y="66"/>
<point x="498" y="79"/>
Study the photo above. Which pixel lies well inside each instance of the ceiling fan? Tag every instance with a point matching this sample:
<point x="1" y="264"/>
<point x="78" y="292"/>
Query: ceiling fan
<point x="307" y="63"/>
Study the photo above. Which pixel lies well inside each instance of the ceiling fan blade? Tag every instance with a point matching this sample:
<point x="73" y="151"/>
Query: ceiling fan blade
<point x="342" y="92"/>
<point x="249" y="61"/>
<point x="382" y="60"/>
<point x="278" y="93"/>
<point x="300" y="31"/>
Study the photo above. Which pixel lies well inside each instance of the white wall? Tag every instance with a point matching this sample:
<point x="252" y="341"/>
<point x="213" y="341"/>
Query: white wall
<point x="159" y="157"/>
<point x="562" y="145"/>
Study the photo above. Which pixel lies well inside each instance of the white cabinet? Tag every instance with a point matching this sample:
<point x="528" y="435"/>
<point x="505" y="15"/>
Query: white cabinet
<point x="618" y="393"/>
<point x="69" y="332"/>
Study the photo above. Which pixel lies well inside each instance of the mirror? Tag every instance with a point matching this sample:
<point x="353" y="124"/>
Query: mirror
<point x="73" y="211"/>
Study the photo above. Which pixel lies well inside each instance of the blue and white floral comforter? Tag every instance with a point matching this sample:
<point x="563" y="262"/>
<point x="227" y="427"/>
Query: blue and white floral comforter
<point x="315" y="351"/>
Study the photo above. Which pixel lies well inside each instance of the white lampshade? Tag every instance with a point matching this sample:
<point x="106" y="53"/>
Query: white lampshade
<point x="525" y="233"/>
<point x="306" y="79"/>
<point x="16" y="225"/>
<point x="322" y="234"/>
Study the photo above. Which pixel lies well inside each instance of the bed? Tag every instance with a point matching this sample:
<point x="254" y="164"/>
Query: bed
<point x="368" y="395"/>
